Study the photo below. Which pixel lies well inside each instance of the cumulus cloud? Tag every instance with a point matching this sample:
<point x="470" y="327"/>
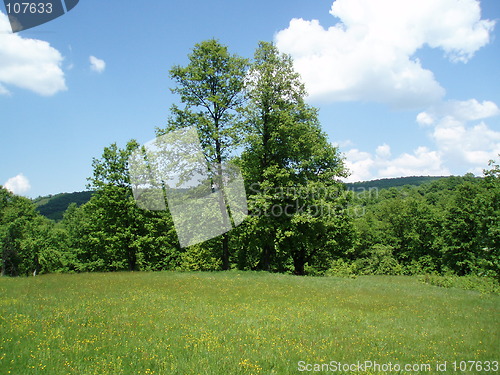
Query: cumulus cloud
<point x="460" y="136"/>
<point x="463" y="111"/>
<point x="28" y="63"/>
<point x="462" y="140"/>
<point x="422" y="162"/>
<point x="383" y="151"/>
<point x="424" y="118"/>
<point x="360" y="165"/>
<point x="18" y="184"/>
<point x="367" y="166"/>
<point x="97" y="65"/>
<point x="4" y="91"/>
<point x="369" y="53"/>
<point x="343" y="144"/>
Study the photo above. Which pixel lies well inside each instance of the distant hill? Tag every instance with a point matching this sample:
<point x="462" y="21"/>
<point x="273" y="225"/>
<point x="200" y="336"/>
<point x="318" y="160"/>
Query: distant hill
<point x="387" y="183"/>
<point x="54" y="206"/>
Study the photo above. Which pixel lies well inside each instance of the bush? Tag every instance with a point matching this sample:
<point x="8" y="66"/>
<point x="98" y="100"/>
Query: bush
<point x="340" y="267"/>
<point x="200" y="258"/>
<point x="423" y="266"/>
<point x="485" y="285"/>
<point x="380" y="262"/>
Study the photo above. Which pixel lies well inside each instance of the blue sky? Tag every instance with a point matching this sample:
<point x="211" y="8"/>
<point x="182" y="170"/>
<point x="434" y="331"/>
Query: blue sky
<point x="403" y="90"/>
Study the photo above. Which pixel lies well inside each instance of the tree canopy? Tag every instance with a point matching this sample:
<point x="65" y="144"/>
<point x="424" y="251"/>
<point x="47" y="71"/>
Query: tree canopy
<point x="302" y="219"/>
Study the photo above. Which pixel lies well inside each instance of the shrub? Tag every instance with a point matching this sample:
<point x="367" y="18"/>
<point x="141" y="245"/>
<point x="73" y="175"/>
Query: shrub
<point x="200" y="258"/>
<point x="340" y="267"/>
<point x="423" y="266"/>
<point x="379" y="262"/>
<point x="485" y="285"/>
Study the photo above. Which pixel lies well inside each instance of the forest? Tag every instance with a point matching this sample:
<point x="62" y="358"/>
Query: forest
<point x="302" y="219"/>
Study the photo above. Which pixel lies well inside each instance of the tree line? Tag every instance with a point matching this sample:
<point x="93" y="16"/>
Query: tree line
<point x="301" y="218"/>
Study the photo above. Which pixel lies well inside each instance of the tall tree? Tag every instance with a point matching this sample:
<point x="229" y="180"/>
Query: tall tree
<point x="113" y="210"/>
<point x="16" y="213"/>
<point x="111" y="232"/>
<point x="211" y="89"/>
<point x="289" y="165"/>
<point x="406" y="222"/>
<point x="29" y="243"/>
<point x="489" y="203"/>
<point x="462" y="229"/>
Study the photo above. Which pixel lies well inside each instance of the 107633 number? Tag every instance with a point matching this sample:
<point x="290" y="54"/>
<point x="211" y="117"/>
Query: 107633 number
<point x="33" y="8"/>
<point x="466" y="366"/>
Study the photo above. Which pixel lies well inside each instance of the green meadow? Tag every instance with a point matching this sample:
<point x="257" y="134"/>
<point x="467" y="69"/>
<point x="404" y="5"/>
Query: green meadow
<point x="240" y="323"/>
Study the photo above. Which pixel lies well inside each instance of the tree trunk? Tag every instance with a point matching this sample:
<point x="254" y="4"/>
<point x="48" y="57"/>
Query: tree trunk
<point x="299" y="263"/>
<point x="132" y="259"/>
<point x="224" y="207"/>
<point x="4" y="260"/>
<point x="225" y="252"/>
<point x="265" y="257"/>
<point x="267" y="247"/>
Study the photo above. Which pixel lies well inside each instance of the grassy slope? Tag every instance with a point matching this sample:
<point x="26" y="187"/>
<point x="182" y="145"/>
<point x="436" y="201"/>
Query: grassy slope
<point x="235" y="323"/>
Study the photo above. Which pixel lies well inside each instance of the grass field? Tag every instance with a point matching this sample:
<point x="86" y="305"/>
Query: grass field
<point x="238" y="323"/>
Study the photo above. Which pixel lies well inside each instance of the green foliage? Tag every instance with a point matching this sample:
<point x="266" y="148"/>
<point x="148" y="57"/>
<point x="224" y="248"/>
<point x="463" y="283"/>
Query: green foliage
<point x="406" y="222"/>
<point x="461" y="230"/>
<point x="449" y="225"/>
<point x="471" y="242"/>
<point x="387" y="183"/>
<point x="110" y="233"/>
<point x="486" y="285"/>
<point x="54" y="206"/>
<point x="16" y="214"/>
<point x="489" y="202"/>
<point x="112" y="167"/>
<point x="290" y="169"/>
<point x="380" y="261"/>
<point x="29" y="243"/>
<point x="302" y="219"/>
<point x="211" y="88"/>
<point x="201" y="257"/>
<point x="341" y="268"/>
<point x="424" y="265"/>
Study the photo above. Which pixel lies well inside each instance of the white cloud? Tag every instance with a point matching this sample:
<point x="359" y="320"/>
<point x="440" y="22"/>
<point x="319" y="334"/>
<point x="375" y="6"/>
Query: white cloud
<point x="4" y="91"/>
<point x="360" y="165"/>
<point x="369" y="54"/>
<point x="462" y="144"/>
<point x="18" y="184"/>
<point x="383" y="151"/>
<point x="461" y="141"/>
<point x="423" y="162"/>
<point x="343" y="144"/>
<point x="97" y="65"/>
<point x="28" y="63"/>
<point x="463" y="111"/>
<point x="424" y="118"/>
<point x="366" y="166"/>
